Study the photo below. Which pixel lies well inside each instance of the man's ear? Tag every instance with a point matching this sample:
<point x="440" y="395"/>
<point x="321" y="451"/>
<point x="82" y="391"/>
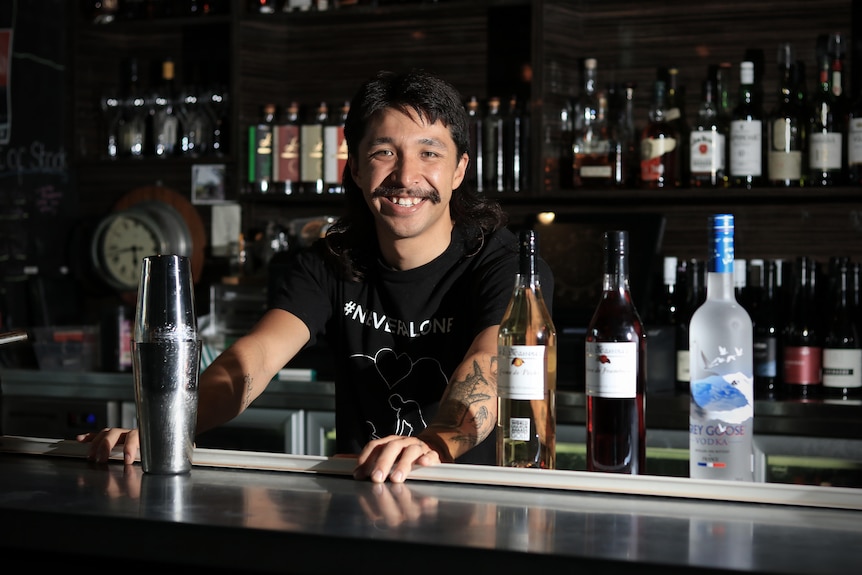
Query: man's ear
<point x="460" y="171"/>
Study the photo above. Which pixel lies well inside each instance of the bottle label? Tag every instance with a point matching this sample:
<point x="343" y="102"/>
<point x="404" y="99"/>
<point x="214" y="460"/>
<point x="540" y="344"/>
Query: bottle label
<point x="285" y="167"/>
<point x="521" y="373"/>
<point x="334" y="154"/>
<point x="612" y="369"/>
<point x="311" y="161"/>
<point x="842" y="368"/>
<point x="824" y="151"/>
<point x="785" y="165"/>
<point x="854" y="141"/>
<point x="803" y="365"/>
<point x="683" y="369"/>
<point x="707" y="152"/>
<point x="746" y="140"/>
<point x="765" y="357"/>
<point x="519" y="429"/>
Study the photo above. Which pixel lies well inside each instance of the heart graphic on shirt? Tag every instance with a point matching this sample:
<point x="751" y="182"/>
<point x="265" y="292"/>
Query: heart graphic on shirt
<point x="392" y="367"/>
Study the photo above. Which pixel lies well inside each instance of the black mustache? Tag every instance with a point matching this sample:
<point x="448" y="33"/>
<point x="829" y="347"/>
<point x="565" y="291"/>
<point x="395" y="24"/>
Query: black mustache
<point x="388" y="192"/>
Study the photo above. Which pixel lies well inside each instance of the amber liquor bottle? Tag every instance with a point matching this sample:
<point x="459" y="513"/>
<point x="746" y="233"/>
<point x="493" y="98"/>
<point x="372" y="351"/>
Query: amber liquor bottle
<point x="659" y="145"/>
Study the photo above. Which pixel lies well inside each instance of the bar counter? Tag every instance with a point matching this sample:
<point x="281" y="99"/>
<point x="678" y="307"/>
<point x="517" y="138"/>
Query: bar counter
<point x="278" y="513"/>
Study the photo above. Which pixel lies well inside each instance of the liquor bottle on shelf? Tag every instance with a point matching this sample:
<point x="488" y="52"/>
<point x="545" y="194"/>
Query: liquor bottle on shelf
<point x="721" y="416"/>
<point x="853" y="141"/>
<point x="746" y="133"/>
<point x="516" y="149"/>
<point x="311" y="150"/>
<point x="660" y="323"/>
<point x="707" y="143"/>
<point x="527" y="375"/>
<point x="802" y="344"/>
<point x="825" y="135"/>
<point x="132" y="119"/>
<point x="335" y="150"/>
<point x="492" y="147"/>
<point x="591" y="145"/>
<point x="842" y="346"/>
<point x="667" y="308"/>
<point x="260" y="151"/>
<point x="565" y="161"/>
<point x="615" y="359"/>
<point x="676" y="116"/>
<point x="659" y="145"/>
<point x="286" y="149"/>
<point x="166" y="122"/>
<point x="694" y="296"/>
<point x="623" y="136"/>
<point x="740" y="282"/>
<point x="195" y="122"/>
<point x="786" y="128"/>
<point x="474" y="126"/>
<point x="766" y="317"/>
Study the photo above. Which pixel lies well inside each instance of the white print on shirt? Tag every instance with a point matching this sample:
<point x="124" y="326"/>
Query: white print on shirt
<point x="393" y="369"/>
<point x="396" y="326"/>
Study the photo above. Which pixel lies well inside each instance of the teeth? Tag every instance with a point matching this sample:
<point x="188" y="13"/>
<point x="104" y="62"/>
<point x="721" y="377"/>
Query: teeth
<point x="406" y="202"/>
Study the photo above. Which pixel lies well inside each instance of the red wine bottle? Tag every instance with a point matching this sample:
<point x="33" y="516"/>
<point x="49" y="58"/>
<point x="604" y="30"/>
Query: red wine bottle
<point x="616" y="371"/>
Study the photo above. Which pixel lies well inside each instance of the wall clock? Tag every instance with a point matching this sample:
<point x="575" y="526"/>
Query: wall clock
<point x="145" y="222"/>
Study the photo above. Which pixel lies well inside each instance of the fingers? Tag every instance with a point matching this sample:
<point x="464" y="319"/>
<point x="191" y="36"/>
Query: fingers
<point x="394" y="458"/>
<point x="103" y="442"/>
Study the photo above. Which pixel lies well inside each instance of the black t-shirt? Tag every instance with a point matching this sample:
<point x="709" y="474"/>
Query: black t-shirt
<point x="397" y="336"/>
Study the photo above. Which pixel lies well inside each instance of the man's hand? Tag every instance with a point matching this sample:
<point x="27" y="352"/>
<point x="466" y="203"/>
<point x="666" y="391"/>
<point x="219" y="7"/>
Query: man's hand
<point x="103" y="442"/>
<point x="394" y="457"/>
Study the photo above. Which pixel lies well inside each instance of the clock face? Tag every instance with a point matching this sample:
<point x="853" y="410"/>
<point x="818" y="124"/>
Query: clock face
<point x="125" y="241"/>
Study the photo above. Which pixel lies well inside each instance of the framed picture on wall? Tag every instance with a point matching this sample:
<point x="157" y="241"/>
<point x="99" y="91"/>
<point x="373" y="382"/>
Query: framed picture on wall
<point x="208" y="183"/>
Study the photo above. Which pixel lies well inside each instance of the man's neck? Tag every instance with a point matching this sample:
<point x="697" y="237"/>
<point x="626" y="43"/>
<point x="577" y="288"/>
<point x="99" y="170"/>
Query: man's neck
<point x="410" y="253"/>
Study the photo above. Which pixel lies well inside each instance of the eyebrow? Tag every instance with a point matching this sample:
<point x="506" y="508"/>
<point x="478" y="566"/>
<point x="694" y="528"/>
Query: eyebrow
<point x="436" y="142"/>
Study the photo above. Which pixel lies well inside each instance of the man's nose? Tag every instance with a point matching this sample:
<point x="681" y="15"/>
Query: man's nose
<point x="407" y="172"/>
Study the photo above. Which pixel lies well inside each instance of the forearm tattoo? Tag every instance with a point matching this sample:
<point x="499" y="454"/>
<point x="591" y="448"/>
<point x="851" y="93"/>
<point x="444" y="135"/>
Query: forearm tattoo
<point x="467" y="399"/>
<point x="248" y="380"/>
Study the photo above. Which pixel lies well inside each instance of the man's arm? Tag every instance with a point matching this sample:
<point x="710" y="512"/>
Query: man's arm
<point x="241" y="373"/>
<point x="229" y="385"/>
<point x="467" y="415"/>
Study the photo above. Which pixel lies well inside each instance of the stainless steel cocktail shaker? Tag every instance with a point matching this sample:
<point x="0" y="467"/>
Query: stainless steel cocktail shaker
<point x="166" y="353"/>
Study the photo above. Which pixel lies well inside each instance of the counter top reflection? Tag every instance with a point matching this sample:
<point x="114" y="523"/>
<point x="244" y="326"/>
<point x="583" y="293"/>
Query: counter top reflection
<point x="257" y="515"/>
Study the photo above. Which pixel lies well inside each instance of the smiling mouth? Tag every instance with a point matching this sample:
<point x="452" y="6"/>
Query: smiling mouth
<point x="406" y="198"/>
<point x="405" y="202"/>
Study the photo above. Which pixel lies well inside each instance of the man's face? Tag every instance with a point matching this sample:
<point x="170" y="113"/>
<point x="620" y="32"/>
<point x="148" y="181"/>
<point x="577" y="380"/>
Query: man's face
<point x="407" y="170"/>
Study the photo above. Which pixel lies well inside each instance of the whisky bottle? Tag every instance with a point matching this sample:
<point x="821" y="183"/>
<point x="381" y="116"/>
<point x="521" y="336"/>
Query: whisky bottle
<point x="623" y="137"/>
<point x="527" y="370"/>
<point x="335" y="150"/>
<point x="786" y="128"/>
<point x="591" y="146"/>
<point x="802" y="343"/>
<point x="615" y="358"/>
<point x="746" y="133"/>
<point x="311" y="150"/>
<point x="721" y="415"/>
<point x="659" y="145"/>
<point x="842" y="347"/>
<point x="260" y="151"/>
<point x="707" y="142"/>
<point x="286" y="151"/>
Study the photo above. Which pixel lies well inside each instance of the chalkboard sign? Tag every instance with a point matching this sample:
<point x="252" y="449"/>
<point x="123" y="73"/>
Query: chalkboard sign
<point x="38" y="205"/>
